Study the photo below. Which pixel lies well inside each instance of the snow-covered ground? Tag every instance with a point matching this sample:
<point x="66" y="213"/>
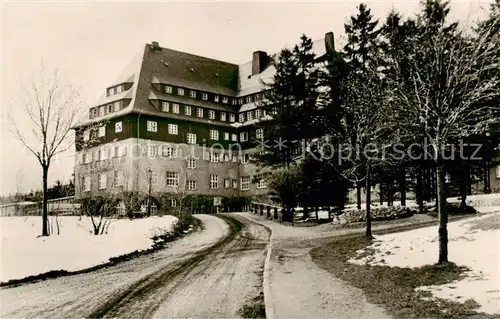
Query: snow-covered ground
<point x="23" y="254"/>
<point x="474" y="243"/>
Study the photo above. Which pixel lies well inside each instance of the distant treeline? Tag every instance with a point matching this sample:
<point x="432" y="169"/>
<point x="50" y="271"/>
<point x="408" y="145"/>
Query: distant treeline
<point x="56" y="191"/>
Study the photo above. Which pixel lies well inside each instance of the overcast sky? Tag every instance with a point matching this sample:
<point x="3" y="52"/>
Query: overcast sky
<point x="92" y="42"/>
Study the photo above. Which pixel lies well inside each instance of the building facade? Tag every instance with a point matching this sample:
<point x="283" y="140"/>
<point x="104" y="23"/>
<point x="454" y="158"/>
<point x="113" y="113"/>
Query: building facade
<point x="177" y="122"/>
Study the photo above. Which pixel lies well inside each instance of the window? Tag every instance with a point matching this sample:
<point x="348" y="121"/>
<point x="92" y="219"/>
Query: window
<point x="234" y="137"/>
<point x="240" y="101"/>
<point x="175" y="108"/>
<point x="262" y="183"/>
<point x="245" y="183"/>
<point x="104" y="153"/>
<point x="119" y="89"/>
<point x="225" y="100"/>
<point x="172" y="179"/>
<point x="226" y="136"/>
<point x="191" y="185"/>
<point x="191" y="163"/>
<point x="235" y="101"/>
<point x="192" y="94"/>
<point x="102" y="131"/>
<point x="87" y="158"/>
<point x="191" y="138"/>
<point x="242" y="117"/>
<point x="187" y="109"/>
<point x="180" y="92"/>
<point x="118" y="127"/>
<point x="244" y="159"/>
<point x="102" y="180"/>
<point x="206" y="156"/>
<point x="227" y="183"/>
<point x="99" y="155"/>
<point x="235" y="184"/>
<point x="257" y="97"/>
<point x="110" y="91"/>
<point x="214" y="181"/>
<point x="168" y="89"/>
<point x="214" y="157"/>
<point x="249" y="116"/>
<point x="258" y="113"/>
<point x="102" y="111"/>
<point x="216" y="98"/>
<point x="165" y="106"/>
<point x="226" y="157"/>
<point x="259" y="133"/>
<point x="211" y="114"/>
<point x="173" y="202"/>
<point x="200" y="112"/>
<point x="117" y="151"/>
<point x="117" y="106"/>
<point x="152" y="150"/>
<point x="223" y="116"/>
<point x="86" y="184"/>
<point x="249" y="99"/>
<point x="152" y="176"/>
<point x="110" y="108"/>
<point x="234" y="158"/>
<point x="204" y="96"/>
<point x="214" y="134"/>
<point x="173" y="129"/>
<point x="152" y="126"/>
<point x="232" y="117"/>
<point x="118" y="178"/>
<point x="94" y="112"/>
<point x="86" y="135"/>
<point x="498" y="172"/>
<point x="243" y="136"/>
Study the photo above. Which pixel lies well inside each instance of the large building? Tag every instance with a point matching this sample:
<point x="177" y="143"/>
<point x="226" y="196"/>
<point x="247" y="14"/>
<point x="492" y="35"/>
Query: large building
<point x="178" y="122"/>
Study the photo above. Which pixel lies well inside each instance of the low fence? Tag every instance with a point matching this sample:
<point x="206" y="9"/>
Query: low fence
<point x="270" y="211"/>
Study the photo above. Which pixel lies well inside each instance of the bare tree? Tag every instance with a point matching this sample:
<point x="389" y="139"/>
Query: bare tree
<point x="450" y="89"/>
<point x="50" y="107"/>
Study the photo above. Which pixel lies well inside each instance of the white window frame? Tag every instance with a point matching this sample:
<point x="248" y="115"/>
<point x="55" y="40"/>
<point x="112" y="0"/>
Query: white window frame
<point x="227" y="183"/>
<point x="172" y="179"/>
<point x="211" y="114"/>
<point x="244" y="159"/>
<point x="204" y="96"/>
<point x="199" y="112"/>
<point x="116" y="106"/>
<point x="234" y="158"/>
<point x="102" y="111"/>
<point x="168" y="89"/>
<point x="102" y="180"/>
<point x="175" y="108"/>
<point x="234" y="137"/>
<point x="154" y="177"/>
<point x="118" y="178"/>
<point x="225" y="100"/>
<point x="86" y="183"/>
<point x="187" y="110"/>
<point x="259" y="133"/>
<point x="173" y="202"/>
<point x="235" y="184"/>
<point x="102" y="131"/>
<point x="191" y="138"/>
<point x="214" y="182"/>
<point x="180" y="91"/>
<point x="258" y="113"/>
<point x="192" y="94"/>
<point x="241" y="117"/>
<point x="214" y="157"/>
<point x="262" y="183"/>
<point x="118" y="127"/>
<point x="249" y="115"/>
<point x="243" y="136"/>
<point x="152" y="126"/>
<point x="245" y="183"/>
<point x="223" y="116"/>
<point x="214" y="135"/>
<point x="173" y="129"/>
<point x="191" y="163"/>
<point x="226" y="136"/>
<point x="165" y="106"/>
<point x="249" y="99"/>
<point x="232" y="117"/>
<point x="152" y="150"/>
<point x="191" y="185"/>
<point x="216" y="98"/>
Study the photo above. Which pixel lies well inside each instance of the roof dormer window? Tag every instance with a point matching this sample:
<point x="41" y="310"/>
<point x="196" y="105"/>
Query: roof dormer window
<point x="119" y="89"/>
<point x="168" y="89"/>
<point x="225" y="100"/>
<point x="110" y="91"/>
<point x="204" y="96"/>
<point x="180" y="91"/>
<point x="249" y="99"/>
<point x="192" y="94"/>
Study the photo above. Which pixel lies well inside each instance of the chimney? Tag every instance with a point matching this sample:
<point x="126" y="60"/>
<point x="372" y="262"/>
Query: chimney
<point x="329" y="43"/>
<point x="259" y="62"/>
<point x="155" y="46"/>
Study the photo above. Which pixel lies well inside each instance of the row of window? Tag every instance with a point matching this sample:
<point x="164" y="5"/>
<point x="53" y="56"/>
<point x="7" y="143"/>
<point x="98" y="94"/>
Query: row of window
<point x="171" y="179"/>
<point x="108" y="152"/>
<point x="105" y="109"/>
<point x="205" y="96"/>
<point x="115" y="90"/>
<point x="188" y="110"/>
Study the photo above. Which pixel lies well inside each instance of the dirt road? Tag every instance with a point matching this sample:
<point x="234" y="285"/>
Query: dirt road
<point x="213" y="273"/>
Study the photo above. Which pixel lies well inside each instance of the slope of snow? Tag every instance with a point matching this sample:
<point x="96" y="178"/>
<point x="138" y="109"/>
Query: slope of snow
<point x="23" y="254"/>
<point x="470" y="245"/>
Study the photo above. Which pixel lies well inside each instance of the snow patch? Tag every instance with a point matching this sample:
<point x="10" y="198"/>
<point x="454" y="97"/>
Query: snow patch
<point x="24" y="254"/>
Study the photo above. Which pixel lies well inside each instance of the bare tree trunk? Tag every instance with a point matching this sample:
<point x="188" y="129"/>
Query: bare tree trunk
<point x="317" y="213"/>
<point x="402" y="185"/>
<point x="463" y="186"/>
<point x="381" y="196"/>
<point x="45" y="220"/>
<point x="358" y="194"/>
<point x="419" y="191"/>
<point x="368" y="202"/>
<point x="329" y="213"/>
<point x="443" y="215"/>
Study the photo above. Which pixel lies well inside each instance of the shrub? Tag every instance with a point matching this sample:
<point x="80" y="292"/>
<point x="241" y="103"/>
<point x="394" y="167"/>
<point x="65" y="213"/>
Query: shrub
<point x="378" y="214"/>
<point x="454" y="209"/>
